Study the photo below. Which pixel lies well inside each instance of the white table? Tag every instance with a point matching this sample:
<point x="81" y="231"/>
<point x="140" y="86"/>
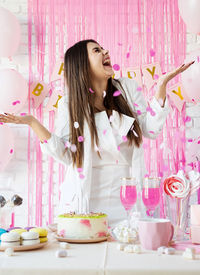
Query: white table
<point x="99" y="258"/>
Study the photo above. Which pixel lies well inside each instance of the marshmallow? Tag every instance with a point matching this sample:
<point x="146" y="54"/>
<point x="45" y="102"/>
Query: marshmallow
<point x="161" y="250"/>
<point x="61" y="253"/>
<point x="169" y="250"/>
<point x="128" y="248"/>
<point x="189" y="253"/>
<point x="137" y="249"/>
<point x="64" y="245"/>
<point x="9" y="251"/>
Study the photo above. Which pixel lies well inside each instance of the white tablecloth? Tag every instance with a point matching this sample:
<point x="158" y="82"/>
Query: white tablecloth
<point x="99" y="258"/>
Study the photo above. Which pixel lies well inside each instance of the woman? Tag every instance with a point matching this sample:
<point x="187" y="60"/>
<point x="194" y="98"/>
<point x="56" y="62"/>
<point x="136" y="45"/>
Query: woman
<point x="99" y="128"/>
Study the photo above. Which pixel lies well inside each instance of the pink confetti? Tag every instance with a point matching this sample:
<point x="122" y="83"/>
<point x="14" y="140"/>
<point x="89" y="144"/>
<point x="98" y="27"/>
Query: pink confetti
<point x="153" y="113"/>
<point x="198" y="142"/>
<point x="81" y="176"/>
<point x="156" y="76"/>
<point x="148" y="109"/>
<point x="117" y="161"/>
<point x="62" y="233"/>
<point x="190" y="140"/>
<point x="67" y="144"/>
<point x="1" y="123"/>
<point x="146" y="175"/>
<point x="119" y="44"/>
<point x="127" y="55"/>
<point x="80" y="139"/>
<point x="45" y="141"/>
<point x="135" y="104"/>
<point x="139" y="89"/>
<point x="124" y="138"/>
<point x="16" y="102"/>
<point x="104" y="132"/>
<point x="188" y="119"/>
<point x="85" y="222"/>
<point x="91" y="91"/>
<point x="139" y="112"/>
<point x="152" y="53"/>
<point x="116" y="67"/>
<point x="151" y="132"/>
<point x="79" y="170"/>
<point x="117" y="93"/>
<point x="118" y="148"/>
<point x="11" y="151"/>
<point x="198" y="59"/>
<point x="23" y="114"/>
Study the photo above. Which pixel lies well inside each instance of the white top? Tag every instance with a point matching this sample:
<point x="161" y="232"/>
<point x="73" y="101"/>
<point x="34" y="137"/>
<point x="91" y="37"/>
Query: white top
<point x="79" y="194"/>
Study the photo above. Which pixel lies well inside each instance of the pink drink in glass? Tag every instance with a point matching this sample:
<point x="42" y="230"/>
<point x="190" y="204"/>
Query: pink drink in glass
<point x="151" y="197"/>
<point x="128" y="196"/>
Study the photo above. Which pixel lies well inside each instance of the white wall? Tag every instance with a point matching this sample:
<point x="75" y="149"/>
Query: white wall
<point x="17" y="168"/>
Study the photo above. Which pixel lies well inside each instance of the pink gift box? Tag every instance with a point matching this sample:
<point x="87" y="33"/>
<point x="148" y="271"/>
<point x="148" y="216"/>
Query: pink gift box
<point x="195" y="214"/>
<point x="195" y="234"/>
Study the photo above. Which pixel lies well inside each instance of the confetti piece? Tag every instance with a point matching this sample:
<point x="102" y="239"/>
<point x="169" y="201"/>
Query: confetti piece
<point x="198" y="59"/>
<point x="116" y="67"/>
<point x="81" y="176"/>
<point x="16" y="102"/>
<point x="151" y="132"/>
<point x="117" y="161"/>
<point x="23" y="114"/>
<point x="117" y="93"/>
<point x="104" y="132"/>
<point x="156" y="76"/>
<point x="135" y="104"/>
<point x="188" y="119"/>
<point x="190" y="140"/>
<point x="11" y="151"/>
<point x="124" y="138"/>
<point x="146" y="175"/>
<point x="73" y="148"/>
<point x="127" y="55"/>
<point x="139" y="89"/>
<point x="118" y="148"/>
<point x="152" y="52"/>
<point x="91" y="91"/>
<point x="139" y="112"/>
<point x="80" y="170"/>
<point x="148" y="109"/>
<point x="76" y="124"/>
<point x="119" y="44"/>
<point x="153" y="113"/>
<point x="1" y="123"/>
<point x="80" y="139"/>
<point x="104" y="94"/>
<point x="45" y="141"/>
<point x="67" y="144"/>
<point x="198" y="142"/>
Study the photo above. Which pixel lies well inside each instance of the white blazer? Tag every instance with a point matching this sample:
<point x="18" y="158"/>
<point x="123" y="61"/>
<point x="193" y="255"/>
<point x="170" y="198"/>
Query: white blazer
<point x="77" y="196"/>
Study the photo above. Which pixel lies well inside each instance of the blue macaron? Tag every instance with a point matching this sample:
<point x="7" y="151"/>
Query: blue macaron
<point x="2" y="231"/>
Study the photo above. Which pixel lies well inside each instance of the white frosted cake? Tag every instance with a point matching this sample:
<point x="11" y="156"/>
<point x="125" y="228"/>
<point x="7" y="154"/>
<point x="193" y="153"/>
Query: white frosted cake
<point x="82" y="226"/>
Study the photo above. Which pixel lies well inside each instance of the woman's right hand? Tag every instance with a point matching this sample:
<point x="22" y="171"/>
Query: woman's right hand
<point x="10" y="118"/>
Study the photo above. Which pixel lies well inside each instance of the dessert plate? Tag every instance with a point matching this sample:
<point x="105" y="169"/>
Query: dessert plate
<point x="24" y="247"/>
<point x="96" y="240"/>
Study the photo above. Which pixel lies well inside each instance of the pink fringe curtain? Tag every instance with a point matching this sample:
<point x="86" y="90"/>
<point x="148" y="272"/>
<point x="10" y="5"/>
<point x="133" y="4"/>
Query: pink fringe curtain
<point x="121" y="26"/>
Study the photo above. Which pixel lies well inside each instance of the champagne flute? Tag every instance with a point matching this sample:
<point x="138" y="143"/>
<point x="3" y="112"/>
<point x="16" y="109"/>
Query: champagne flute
<point x="151" y="194"/>
<point x="128" y="195"/>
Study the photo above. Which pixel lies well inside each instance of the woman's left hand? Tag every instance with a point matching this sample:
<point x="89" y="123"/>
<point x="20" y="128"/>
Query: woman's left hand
<point x="164" y="79"/>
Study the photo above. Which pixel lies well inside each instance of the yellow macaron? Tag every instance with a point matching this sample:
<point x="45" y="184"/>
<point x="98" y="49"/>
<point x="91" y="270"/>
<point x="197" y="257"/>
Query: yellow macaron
<point x="19" y="230"/>
<point x="42" y="233"/>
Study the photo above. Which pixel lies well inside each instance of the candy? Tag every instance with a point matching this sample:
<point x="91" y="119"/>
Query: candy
<point x="9" y="251"/>
<point x="64" y="245"/>
<point x="189" y="253"/>
<point x="61" y="253"/>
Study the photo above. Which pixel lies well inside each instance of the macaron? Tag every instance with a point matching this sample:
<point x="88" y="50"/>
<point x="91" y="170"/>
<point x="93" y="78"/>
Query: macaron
<point x="2" y="231"/>
<point x="19" y="230"/>
<point x="29" y="227"/>
<point x="30" y="238"/>
<point x="10" y="239"/>
<point x="42" y="233"/>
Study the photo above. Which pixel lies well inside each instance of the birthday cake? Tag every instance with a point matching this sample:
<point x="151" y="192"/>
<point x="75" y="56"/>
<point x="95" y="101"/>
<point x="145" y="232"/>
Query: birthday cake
<point x="82" y="226"/>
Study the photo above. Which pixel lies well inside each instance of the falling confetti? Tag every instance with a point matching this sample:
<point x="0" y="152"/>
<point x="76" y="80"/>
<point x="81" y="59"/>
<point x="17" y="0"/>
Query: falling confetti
<point x="139" y="89"/>
<point x="11" y="151"/>
<point x="156" y="76"/>
<point x="116" y="67"/>
<point x="1" y="123"/>
<point x="80" y="139"/>
<point x="104" y="132"/>
<point x="151" y="132"/>
<point x="119" y="44"/>
<point x="139" y="112"/>
<point x="76" y="124"/>
<point x="152" y="113"/>
<point x="124" y="138"/>
<point x="16" y="102"/>
<point x="23" y="114"/>
<point x="67" y="144"/>
<point x="91" y="91"/>
<point x="135" y="104"/>
<point x="80" y="170"/>
<point x="152" y="53"/>
<point x="45" y="141"/>
<point x="188" y="119"/>
<point x="73" y="148"/>
<point x="127" y="55"/>
<point x="81" y="176"/>
<point x="118" y="148"/>
<point x="117" y="93"/>
<point x="190" y="140"/>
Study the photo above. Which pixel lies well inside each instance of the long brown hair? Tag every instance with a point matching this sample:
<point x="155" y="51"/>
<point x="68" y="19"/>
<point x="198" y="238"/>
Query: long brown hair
<point x="81" y="101"/>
